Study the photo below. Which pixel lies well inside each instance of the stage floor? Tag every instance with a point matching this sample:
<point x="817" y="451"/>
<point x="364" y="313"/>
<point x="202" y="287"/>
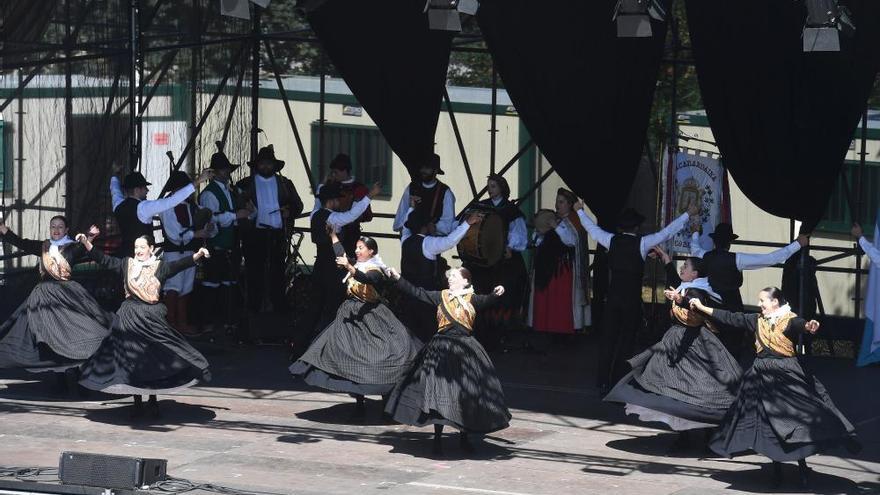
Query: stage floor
<point x="254" y="428"/>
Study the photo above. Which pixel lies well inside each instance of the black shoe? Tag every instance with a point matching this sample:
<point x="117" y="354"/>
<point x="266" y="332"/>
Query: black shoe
<point x="153" y="407"/>
<point x="804" y="472"/>
<point x="776" y="481"/>
<point x="138" y="409"/>
<point x="464" y="443"/>
<point x="437" y="449"/>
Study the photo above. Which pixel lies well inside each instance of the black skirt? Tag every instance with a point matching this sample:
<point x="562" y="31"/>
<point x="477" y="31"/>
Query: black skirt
<point x="452" y="382"/>
<point x="781" y="412"/>
<point x="687" y="380"/>
<point x="144" y="355"/>
<point x="366" y="350"/>
<point x="59" y="326"/>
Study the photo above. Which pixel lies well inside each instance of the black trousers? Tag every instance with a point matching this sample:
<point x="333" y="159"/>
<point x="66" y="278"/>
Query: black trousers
<point x="326" y="295"/>
<point x="622" y="322"/>
<point x="265" y="251"/>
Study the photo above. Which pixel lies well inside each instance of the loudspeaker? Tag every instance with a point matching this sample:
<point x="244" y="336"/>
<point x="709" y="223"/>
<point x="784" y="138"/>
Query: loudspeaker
<point x="110" y="471"/>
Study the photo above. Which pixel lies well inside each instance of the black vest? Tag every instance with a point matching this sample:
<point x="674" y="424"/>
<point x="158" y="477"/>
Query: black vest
<point x="415" y="268"/>
<point x="432" y="199"/>
<point x="626" y="269"/>
<point x="130" y="225"/>
<point x="725" y="277"/>
<point x="325" y="260"/>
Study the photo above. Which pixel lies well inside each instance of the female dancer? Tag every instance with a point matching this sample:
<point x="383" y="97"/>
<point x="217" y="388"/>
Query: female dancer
<point x="453" y="381"/>
<point x="781" y="411"/>
<point x="366" y="350"/>
<point x="60" y="325"/>
<point x="143" y="355"/>
<point x="688" y="380"/>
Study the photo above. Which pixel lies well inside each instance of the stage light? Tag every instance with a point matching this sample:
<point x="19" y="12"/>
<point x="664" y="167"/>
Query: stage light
<point x="444" y="15"/>
<point x="634" y="17"/>
<point x="825" y="20"/>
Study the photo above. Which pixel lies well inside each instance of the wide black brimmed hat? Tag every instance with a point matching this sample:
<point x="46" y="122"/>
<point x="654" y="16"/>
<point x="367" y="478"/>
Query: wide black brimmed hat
<point x="135" y="179"/>
<point x="219" y="160"/>
<point x="416" y="220"/>
<point x="432" y="162"/>
<point x="267" y="153"/>
<point x="723" y="232"/>
<point x="331" y="190"/>
<point x="176" y="180"/>
<point x="630" y="218"/>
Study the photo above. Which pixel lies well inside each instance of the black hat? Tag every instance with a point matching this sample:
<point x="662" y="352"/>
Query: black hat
<point x="134" y="179"/>
<point x="341" y="162"/>
<point x="432" y="162"/>
<point x="723" y="232"/>
<point x="630" y="218"/>
<point x="176" y="180"/>
<point x="219" y="160"/>
<point x="331" y="190"/>
<point x="267" y="153"/>
<point x="416" y="220"/>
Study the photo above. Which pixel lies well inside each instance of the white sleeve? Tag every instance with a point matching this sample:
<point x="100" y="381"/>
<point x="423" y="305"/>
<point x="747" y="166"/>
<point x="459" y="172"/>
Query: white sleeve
<point x="116" y="193"/>
<point x="518" y="236"/>
<point x="433" y="245"/>
<point x="175" y="231"/>
<point x="339" y="219"/>
<point x="602" y="237"/>
<point x="405" y="233"/>
<point x="447" y="218"/>
<point x="209" y="201"/>
<point x="754" y="261"/>
<point x="148" y="209"/>
<point x="696" y="250"/>
<point x="870" y="250"/>
<point x="664" y="234"/>
<point x="402" y="210"/>
<point x="568" y="235"/>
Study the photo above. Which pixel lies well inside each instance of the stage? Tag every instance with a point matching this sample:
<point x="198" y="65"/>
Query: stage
<point x="255" y="428"/>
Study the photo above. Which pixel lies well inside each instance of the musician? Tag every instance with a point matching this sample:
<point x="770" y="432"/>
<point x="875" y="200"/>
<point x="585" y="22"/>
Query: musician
<point x="419" y="264"/>
<point x="134" y="212"/>
<point x="184" y="228"/>
<point x="266" y="237"/>
<point x="219" y="286"/>
<point x="510" y="272"/>
<point x="352" y="190"/>
<point x="626" y="265"/>
<point x="432" y="198"/>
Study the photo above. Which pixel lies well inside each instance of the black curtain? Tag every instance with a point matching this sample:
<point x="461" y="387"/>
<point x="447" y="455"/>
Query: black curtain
<point x="783" y="119"/>
<point x="583" y="93"/>
<point x="394" y="65"/>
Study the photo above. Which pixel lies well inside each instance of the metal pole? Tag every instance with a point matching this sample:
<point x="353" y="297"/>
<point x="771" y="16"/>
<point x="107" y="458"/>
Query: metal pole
<point x="255" y="83"/>
<point x="195" y="80"/>
<point x="863" y="153"/>
<point x="133" y="51"/>
<point x="233" y="105"/>
<point x="494" y="128"/>
<point x="467" y="165"/>
<point x="68" y="107"/>
<point x="321" y="115"/>
<point x="19" y="202"/>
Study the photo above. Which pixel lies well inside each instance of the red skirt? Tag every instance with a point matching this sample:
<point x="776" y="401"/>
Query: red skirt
<point x="552" y="305"/>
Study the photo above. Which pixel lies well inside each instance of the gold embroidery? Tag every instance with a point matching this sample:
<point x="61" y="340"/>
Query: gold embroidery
<point x="772" y="336"/>
<point x="55" y="264"/>
<point x="363" y="292"/>
<point x="143" y="283"/>
<point x="462" y="314"/>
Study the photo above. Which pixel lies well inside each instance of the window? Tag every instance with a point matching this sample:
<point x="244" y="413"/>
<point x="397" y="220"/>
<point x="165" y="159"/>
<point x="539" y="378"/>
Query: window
<point x="837" y="218"/>
<point x="369" y="152"/>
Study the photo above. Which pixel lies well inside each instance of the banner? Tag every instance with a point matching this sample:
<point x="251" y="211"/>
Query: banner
<point x="695" y="178"/>
<point x="870" y="351"/>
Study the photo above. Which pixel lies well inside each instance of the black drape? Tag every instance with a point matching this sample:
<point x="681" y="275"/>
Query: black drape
<point x="584" y="94"/>
<point x="394" y="65"/>
<point x="783" y="119"/>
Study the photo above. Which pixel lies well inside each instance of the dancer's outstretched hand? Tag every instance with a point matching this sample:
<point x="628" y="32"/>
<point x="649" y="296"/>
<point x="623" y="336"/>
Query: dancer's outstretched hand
<point x="696" y="304"/>
<point x="498" y="291"/>
<point x="84" y="240"/>
<point x="393" y="274"/>
<point x="201" y="253"/>
<point x="812" y="326"/>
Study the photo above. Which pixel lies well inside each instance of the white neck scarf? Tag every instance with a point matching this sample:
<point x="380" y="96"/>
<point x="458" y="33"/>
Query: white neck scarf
<point x="775" y="315"/>
<point x="375" y="261"/>
<point x="701" y="283"/>
<point x="459" y="294"/>
<point x="140" y="265"/>
<point x="61" y="242"/>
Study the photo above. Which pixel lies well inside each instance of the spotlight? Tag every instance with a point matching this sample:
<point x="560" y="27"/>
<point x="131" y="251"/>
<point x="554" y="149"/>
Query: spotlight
<point x="825" y="20"/>
<point x="634" y="17"/>
<point x="443" y="15"/>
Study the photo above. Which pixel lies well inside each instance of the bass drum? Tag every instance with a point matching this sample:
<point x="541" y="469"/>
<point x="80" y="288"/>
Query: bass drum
<point x="484" y="243"/>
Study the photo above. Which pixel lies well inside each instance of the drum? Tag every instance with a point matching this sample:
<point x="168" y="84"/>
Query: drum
<point x="485" y="242"/>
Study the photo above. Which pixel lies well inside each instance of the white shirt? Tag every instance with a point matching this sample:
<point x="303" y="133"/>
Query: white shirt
<point x="647" y="242"/>
<point x="211" y="202"/>
<point x="445" y="224"/>
<point x="434" y="246"/>
<point x="174" y="231"/>
<point x="268" y="213"/>
<point x="517" y="233"/>
<point x="750" y="261"/>
<point x="147" y="209"/>
<point x="566" y="232"/>
<point x="339" y="219"/>
<point x="869" y="249"/>
<point x="318" y="204"/>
